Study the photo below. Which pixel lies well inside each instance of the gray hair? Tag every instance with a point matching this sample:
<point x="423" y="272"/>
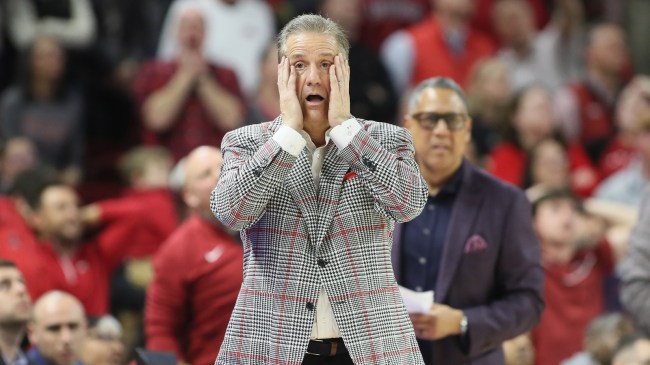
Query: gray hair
<point x="435" y="83"/>
<point x="311" y="23"/>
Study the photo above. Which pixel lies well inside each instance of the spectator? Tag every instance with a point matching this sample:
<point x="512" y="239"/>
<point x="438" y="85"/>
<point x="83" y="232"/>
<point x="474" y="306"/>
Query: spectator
<point x="18" y="241"/>
<point x="635" y="270"/>
<point x="70" y="22"/>
<point x="57" y="330"/>
<point x="488" y="96"/>
<point x="237" y="33"/>
<point x="198" y="273"/>
<point x="530" y="123"/>
<point x="633" y="351"/>
<point x="17" y="154"/>
<point x="576" y="261"/>
<point x="187" y="102"/>
<point x="47" y="110"/>
<point x="475" y="251"/>
<point x="549" y="58"/>
<point x="519" y="350"/>
<point x="444" y="44"/>
<point x="80" y="268"/>
<point x="603" y="335"/>
<point x="146" y="169"/>
<point x="103" y="345"/>
<point x="371" y="93"/>
<point x="585" y="108"/>
<point x="15" y="307"/>
<point x="632" y="105"/>
<point x="625" y="185"/>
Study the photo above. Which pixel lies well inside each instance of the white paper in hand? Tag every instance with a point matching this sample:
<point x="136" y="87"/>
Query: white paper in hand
<point x="416" y="302"/>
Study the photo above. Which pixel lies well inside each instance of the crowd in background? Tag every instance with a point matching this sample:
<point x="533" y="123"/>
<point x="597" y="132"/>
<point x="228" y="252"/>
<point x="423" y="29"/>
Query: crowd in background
<point x="103" y="103"/>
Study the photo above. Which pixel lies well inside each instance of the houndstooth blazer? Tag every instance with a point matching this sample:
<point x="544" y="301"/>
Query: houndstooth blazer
<point x="296" y="242"/>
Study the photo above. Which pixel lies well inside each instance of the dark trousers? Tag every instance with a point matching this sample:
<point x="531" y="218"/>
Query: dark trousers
<point x="343" y="359"/>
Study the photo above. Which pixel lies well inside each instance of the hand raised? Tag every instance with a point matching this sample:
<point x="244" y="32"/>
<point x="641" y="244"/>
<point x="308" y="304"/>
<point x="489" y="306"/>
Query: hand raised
<point x="339" y="103"/>
<point x="289" y="104"/>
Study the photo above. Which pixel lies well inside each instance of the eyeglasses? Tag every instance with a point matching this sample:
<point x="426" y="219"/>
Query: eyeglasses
<point x="429" y="120"/>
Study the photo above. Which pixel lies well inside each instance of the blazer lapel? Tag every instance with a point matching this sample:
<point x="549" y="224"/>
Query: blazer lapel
<point x="329" y="191"/>
<point x="301" y="186"/>
<point x="466" y="207"/>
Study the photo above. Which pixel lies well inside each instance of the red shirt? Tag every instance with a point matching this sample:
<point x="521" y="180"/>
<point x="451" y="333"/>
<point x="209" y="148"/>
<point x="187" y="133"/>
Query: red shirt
<point x="574" y="296"/>
<point x="193" y="126"/>
<point x="18" y="244"/>
<point x="198" y="274"/>
<point x="434" y="58"/>
<point x="508" y="161"/>
<point x="87" y="273"/>
<point x="154" y="209"/>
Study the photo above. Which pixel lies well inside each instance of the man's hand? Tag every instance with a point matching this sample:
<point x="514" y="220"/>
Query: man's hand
<point x="289" y="105"/>
<point x="193" y="65"/>
<point x="339" y="105"/>
<point x="441" y="321"/>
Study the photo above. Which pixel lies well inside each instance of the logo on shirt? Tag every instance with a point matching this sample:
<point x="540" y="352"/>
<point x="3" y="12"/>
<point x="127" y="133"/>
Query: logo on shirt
<point x="213" y="255"/>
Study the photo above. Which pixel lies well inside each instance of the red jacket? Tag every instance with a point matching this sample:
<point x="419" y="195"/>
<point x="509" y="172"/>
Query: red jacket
<point x="154" y="209"/>
<point x="434" y="58"/>
<point x="87" y="273"/>
<point x="198" y="274"/>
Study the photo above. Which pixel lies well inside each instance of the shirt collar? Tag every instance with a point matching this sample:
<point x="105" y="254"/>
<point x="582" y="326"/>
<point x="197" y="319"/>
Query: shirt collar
<point x="310" y="145"/>
<point x="453" y="184"/>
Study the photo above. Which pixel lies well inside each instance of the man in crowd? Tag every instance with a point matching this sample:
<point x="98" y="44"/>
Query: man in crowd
<point x="57" y="329"/>
<point x="473" y="244"/>
<point x="198" y="272"/>
<point x="316" y="194"/>
<point x="188" y="102"/>
<point x="15" y="306"/>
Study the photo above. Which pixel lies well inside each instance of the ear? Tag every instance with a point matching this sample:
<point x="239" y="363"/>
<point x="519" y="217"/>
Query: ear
<point x="406" y="122"/>
<point x="31" y="334"/>
<point x="191" y="200"/>
<point x="470" y="122"/>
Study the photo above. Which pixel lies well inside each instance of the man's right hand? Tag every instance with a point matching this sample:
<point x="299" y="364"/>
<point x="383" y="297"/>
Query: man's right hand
<point x="289" y="103"/>
<point x="193" y="65"/>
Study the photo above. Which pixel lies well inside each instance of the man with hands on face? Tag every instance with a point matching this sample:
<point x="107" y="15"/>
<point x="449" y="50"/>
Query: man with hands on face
<point x="315" y="194"/>
<point x="473" y="244"/>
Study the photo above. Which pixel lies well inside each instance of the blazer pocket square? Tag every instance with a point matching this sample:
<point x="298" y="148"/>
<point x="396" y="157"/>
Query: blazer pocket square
<point x="476" y="243"/>
<point x="349" y="175"/>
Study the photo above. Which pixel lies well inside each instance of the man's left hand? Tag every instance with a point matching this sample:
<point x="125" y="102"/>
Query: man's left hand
<point x="441" y="321"/>
<point x="339" y="103"/>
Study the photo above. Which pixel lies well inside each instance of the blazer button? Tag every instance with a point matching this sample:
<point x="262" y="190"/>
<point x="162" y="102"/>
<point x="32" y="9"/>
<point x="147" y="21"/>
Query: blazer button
<point x="321" y="263"/>
<point x="310" y="306"/>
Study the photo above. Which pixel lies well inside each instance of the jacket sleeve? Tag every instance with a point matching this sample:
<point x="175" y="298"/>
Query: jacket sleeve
<point x="251" y="172"/>
<point x="635" y="270"/>
<point x="520" y="285"/>
<point x="165" y="312"/>
<point x="385" y="160"/>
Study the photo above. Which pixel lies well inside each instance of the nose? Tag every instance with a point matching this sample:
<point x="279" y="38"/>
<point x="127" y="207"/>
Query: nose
<point x="440" y="128"/>
<point x="313" y="75"/>
<point x="66" y="335"/>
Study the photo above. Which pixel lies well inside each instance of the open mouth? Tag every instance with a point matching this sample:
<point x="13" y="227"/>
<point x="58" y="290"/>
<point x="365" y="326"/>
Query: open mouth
<point x="314" y="99"/>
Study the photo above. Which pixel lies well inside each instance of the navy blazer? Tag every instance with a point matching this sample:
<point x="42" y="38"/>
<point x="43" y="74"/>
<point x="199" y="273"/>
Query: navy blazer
<point x="490" y="268"/>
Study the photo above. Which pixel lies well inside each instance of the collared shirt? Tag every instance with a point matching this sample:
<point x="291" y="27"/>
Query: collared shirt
<point x="424" y="237"/>
<point x="423" y="240"/>
<point x="324" y="323"/>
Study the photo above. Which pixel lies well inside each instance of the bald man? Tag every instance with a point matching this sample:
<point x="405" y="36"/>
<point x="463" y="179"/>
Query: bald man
<point x="57" y="329"/>
<point x="198" y="272"/>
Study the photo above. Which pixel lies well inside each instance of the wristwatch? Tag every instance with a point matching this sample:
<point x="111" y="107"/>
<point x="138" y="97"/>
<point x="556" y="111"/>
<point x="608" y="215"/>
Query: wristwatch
<point x="463" y="325"/>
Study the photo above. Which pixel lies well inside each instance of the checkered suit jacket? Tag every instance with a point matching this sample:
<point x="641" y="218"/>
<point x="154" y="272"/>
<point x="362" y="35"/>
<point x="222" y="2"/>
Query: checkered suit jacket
<point x="296" y="242"/>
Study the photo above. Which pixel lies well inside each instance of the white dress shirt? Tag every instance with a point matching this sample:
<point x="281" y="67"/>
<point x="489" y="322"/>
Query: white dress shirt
<point x="293" y="142"/>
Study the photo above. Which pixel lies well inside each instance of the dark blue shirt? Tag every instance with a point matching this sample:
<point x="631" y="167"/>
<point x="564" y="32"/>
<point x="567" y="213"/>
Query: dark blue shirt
<point x="423" y="240"/>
